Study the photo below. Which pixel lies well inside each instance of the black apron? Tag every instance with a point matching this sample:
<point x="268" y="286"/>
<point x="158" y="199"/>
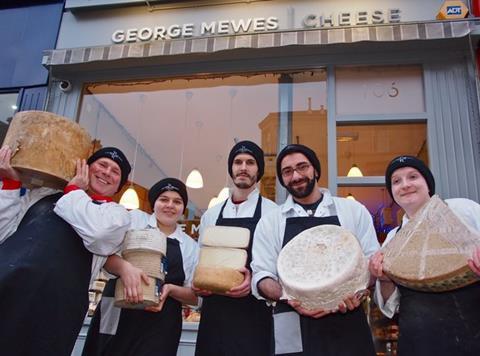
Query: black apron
<point x="235" y="326"/>
<point x="440" y="324"/>
<point x="44" y="278"/>
<point x="139" y="332"/>
<point x="334" y="334"/>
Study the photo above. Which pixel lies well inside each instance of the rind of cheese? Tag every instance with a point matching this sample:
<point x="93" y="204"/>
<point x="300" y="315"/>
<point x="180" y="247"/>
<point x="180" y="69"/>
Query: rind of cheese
<point x="45" y="148"/>
<point x="321" y="266"/>
<point x="151" y="295"/>
<point x="217" y="279"/>
<point x="222" y="257"/>
<point x="226" y="236"/>
<point x="145" y="240"/>
<point x="430" y="252"/>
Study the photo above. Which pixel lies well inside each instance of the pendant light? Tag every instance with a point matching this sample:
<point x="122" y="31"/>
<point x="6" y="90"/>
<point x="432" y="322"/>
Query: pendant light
<point x="214" y="201"/>
<point x="350" y="196"/>
<point x="224" y="194"/>
<point x="194" y="179"/>
<point x="129" y="198"/>
<point x="354" y="171"/>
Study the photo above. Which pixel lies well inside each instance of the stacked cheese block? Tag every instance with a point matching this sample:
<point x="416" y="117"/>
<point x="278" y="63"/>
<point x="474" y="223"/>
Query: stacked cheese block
<point x="95" y="292"/>
<point x="430" y="252"/>
<point x="222" y="254"/>
<point x="321" y="266"/>
<point x="145" y="249"/>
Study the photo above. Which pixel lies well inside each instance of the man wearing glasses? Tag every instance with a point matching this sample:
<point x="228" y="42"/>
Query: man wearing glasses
<point x="299" y="331"/>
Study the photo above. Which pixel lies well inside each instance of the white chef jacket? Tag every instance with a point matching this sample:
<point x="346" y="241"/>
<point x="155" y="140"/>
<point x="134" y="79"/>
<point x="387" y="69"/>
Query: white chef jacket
<point x="188" y="246"/>
<point x="245" y="209"/>
<point x="270" y="231"/>
<point x="102" y="227"/>
<point x="465" y="209"/>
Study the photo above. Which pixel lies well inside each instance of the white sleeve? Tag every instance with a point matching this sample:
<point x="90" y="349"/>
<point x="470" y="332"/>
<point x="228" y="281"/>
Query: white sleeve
<point x="10" y="212"/>
<point x="190" y="259"/>
<point x="267" y="243"/>
<point x="364" y="229"/>
<point x="13" y="207"/>
<point x="101" y="226"/>
<point x="390" y="306"/>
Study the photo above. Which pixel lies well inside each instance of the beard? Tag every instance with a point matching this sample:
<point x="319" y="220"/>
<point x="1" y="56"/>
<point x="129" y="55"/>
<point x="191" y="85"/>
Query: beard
<point x="301" y="192"/>
<point x="245" y="184"/>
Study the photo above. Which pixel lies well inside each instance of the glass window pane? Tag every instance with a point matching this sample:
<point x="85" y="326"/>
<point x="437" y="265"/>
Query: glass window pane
<point x="371" y="147"/>
<point x="309" y="117"/>
<point x="181" y="125"/>
<point x="8" y="107"/>
<point x="379" y="90"/>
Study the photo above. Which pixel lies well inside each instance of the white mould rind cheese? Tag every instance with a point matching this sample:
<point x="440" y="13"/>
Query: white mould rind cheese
<point x="226" y="236"/>
<point x="321" y="266"/>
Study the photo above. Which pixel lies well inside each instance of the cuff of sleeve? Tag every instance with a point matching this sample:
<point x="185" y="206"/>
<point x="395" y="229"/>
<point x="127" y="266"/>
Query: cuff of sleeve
<point x="257" y="277"/>
<point x="390" y="306"/>
<point x="70" y="188"/>
<point x="10" y="184"/>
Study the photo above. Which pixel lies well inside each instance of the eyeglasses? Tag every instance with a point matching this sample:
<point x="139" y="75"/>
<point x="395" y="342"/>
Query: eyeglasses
<point x="300" y="168"/>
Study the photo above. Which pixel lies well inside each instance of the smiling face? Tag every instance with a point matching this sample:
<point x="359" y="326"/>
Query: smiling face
<point x="298" y="175"/>
<point x="104" y="177"/>
<point x="244" y="171"/>
<point x="409" y="189"/>
<point x="168" y="208"/>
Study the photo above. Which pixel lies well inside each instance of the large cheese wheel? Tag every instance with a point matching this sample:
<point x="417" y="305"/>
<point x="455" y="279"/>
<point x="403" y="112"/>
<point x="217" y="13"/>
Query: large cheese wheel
<point x="226" y="236"/>
<point x="146" y="249"/>
<point x="46" y="147"/>
<point x="321" y="266"/>
<point x="151" y="294"/>
<point x="430" y="252"/>
<point x="217" y="269"/>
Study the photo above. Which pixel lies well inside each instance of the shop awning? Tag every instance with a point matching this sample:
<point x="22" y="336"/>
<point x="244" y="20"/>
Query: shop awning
<point x="380" y="33"/>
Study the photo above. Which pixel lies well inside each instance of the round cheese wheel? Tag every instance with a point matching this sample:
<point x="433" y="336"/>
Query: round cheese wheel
<point x="321" y="266"/>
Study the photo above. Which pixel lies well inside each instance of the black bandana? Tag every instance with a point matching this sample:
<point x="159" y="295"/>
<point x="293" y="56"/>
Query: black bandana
<point x="168" y="184"/>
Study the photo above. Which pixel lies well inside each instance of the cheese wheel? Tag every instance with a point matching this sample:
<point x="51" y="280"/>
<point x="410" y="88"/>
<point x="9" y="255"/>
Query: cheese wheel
<point x="430" y="252"/>
<point x="151" y="294"/>
<point x="321" y="266"/>
<point x="226" y="236"/>
<point x="222" y="257"/>
<point x="45" y="148"/>
<point x="217" y="268"/>
<point x="145" y="240"/>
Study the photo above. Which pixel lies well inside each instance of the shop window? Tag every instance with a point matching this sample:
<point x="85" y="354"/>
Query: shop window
<point x="379" y="90"/>
<point x="8" y="107"/>
<point x="371" y="147"/>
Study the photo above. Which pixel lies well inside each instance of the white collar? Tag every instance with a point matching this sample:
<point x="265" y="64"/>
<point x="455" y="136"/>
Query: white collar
<point x="252" y="196"/>
<point x="290" y="204"/>
<point x="177" y="234"/>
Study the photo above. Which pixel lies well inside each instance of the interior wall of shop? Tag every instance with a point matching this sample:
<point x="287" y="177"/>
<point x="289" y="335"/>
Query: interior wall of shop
<point x="450" y="93"/>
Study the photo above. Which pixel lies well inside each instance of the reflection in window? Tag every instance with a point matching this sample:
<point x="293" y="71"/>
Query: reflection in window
<point x="371" y="147"/>
<point x="8" y="107"/>
<point x="379" y="90"/>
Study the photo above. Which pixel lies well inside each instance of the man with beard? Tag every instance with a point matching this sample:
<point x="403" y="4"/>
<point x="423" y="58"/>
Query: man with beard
<point x="237" y="323"/>
<point x="299" y="331"/>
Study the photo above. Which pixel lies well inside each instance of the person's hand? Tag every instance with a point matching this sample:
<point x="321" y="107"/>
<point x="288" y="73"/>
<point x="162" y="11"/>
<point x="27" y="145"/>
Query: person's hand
<point x="474" y="262"/>
<point x="244" y="288"/>
<point x="315" y="313"/>
<point x="161" y="301"/>
<point x="6" y="170"/>
<point x="201" y="292"/>
<point x="81" y="178"/>
<point x="375" y="266"/>
<point x="352" y="301"/>
<point x="132" y="278"/>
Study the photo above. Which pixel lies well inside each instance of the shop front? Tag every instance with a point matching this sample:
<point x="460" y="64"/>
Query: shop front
<point x="176" y="83"/>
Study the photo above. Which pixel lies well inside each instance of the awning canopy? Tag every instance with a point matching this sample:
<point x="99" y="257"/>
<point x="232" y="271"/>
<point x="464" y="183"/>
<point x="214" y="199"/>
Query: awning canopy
<point x="380" y="33"/>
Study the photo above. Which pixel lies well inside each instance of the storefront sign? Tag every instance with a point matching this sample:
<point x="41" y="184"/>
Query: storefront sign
<point x="249" y="25"/>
